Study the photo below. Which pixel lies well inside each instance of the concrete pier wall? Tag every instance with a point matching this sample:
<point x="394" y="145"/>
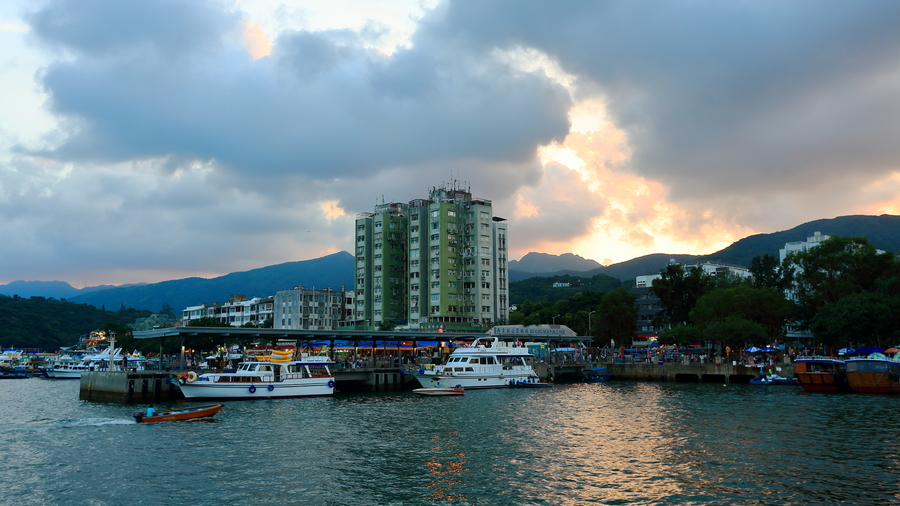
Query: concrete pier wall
<point x="118" y="386"/>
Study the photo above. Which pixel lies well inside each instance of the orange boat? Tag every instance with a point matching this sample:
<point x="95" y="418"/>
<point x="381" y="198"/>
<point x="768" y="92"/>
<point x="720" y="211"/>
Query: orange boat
<point x="875" y="374"/>
<point x="178" y="414"/>
<point x="821" y="374"/>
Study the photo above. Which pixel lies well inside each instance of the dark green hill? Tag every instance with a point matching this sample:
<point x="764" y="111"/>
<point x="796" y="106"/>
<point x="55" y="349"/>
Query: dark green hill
<point x="330" y="271"/>
<point x="540" y="289"/>
<point x="46" y="323"/>
<point x="883" y="232"/>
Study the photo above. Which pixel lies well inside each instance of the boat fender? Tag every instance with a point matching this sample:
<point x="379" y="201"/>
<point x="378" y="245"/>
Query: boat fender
<point x="252" y="388"/>
<point x="271" y="387"/>
<point x="330" y="383"/>
<point x="421" y="371"/>
<point x="191" y="377"/>
<point x="181" y="381"/>
<point x="501" y="375"/>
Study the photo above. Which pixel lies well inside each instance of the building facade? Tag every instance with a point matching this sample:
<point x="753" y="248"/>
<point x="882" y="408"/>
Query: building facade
<point x="237" y="312"/>
<point x="432" y="264"/>
<point x="309" y="309"/>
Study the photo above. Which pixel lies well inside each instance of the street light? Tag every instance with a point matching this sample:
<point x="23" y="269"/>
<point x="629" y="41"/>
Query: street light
<point x="554" y="319"/>
<point x="589" y="322"/>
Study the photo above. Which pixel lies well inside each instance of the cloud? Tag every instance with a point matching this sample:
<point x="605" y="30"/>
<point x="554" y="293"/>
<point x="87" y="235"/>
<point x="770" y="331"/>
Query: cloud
<point x="734" y="98"/>
<point x="322" y="103"/>
<point x="199" y="138"/>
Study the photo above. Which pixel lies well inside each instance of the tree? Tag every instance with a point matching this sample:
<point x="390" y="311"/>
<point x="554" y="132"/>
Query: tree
<point x="734" y="331"/>
<point x="207" y="321"/>
<point x="768" y="272"/>
<point x="678" y="291"/>
<point x="616" y="316"/>
<point x="680" y="336"/>
<point x="863" y="318"/>
<point x="837" y="268"/>
<point x="167" y="310"/>
<point x="766" y="307"/>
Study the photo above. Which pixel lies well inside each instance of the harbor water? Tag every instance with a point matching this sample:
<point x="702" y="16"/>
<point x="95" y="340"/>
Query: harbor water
<point x="604" y="443"/>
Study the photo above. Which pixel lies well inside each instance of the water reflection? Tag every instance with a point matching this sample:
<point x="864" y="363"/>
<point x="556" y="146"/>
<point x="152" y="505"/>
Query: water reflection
<point x="446" y="465"/>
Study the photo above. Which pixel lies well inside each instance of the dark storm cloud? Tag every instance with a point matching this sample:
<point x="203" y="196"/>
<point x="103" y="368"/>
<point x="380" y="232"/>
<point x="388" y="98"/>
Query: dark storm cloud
<point x="723" y="96"/>
<point x="321" y="104"/>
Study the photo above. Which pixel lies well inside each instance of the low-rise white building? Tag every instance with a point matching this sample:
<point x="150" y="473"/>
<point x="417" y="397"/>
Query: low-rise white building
<point x="237" y="312"/>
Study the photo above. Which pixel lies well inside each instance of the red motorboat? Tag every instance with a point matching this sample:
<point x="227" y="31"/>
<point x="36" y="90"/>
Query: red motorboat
<point x="178" y="414"/>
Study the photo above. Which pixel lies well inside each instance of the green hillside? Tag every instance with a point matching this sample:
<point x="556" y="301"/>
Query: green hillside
<point x="540" y="289"/>
<point x="37" y="322"/>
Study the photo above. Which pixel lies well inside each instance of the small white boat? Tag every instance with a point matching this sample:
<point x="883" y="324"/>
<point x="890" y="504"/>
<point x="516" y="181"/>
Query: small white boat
<point x="272" y="377"/>
<point x="438" y="391"/>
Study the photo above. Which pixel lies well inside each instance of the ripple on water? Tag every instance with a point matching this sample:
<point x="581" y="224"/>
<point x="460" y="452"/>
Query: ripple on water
<point x="608" y="443"/>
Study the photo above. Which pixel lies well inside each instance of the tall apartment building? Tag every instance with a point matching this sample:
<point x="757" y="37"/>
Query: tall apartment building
<point x="310" y="309"/>
<point x="433" y="264"/>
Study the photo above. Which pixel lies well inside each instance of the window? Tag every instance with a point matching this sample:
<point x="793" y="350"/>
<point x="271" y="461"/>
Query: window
<point x="451" y="213"/>
<point x="435" y="213"/>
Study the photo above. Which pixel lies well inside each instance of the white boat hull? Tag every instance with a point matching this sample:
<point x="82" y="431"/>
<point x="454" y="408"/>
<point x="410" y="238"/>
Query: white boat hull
<point x="306" y="387"/>
<point x="470" y="381"/>
<point x="64" y="373"/>
<point x="438" y="392"/>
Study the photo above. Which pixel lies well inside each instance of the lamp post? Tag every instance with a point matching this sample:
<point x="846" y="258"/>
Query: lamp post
<point x="589" y="322"/>
<point x="554" y="319"/>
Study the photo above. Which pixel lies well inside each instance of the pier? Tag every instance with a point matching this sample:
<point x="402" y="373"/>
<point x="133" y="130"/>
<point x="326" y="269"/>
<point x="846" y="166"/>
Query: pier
<point x="155" y="386"/>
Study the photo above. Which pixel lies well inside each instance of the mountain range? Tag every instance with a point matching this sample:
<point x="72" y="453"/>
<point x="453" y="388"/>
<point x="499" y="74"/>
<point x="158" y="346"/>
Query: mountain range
<point x="336" y="270"/>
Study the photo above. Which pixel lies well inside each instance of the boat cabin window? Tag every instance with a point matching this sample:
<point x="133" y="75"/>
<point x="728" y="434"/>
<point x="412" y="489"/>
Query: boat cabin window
<point x="244" y="367"/>
<point x="319" y="371"/>
<point x="264" y="368"/>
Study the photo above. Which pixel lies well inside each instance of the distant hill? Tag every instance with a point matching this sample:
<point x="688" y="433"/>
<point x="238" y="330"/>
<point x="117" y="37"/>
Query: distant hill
<point x="330" y="271"/>
<point x="335" y="270"/>
<point x="544" y="262"/>
<point x="883" y="232"/>
<point x="54" y="289"/>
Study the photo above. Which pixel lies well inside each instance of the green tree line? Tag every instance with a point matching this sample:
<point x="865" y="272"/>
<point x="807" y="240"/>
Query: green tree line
<point x="48" y="323"/>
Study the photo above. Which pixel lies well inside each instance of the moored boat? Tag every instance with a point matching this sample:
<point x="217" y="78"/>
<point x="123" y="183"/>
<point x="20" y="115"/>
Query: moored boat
<point x="821" y="374"/>
<point x="874" y="374"/>
<point x="187" y="413"/>
<point x="773" y="379"/>
<point x="7" y="372"/>
<point x="533" y="384"/>
<point x="264" y="378"/>
<point x="486" y="363"/>
<point x="438" y="391"/>
<point x="597" y="374"/>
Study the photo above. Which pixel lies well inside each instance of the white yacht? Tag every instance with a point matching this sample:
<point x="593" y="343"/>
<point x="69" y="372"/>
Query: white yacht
<point x="486" y="363"/>
<point x="265" y="378"/>
<point x="69" y="367"/>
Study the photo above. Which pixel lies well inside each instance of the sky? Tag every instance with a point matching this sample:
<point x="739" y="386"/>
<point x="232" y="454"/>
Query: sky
<point x="162" y="139"/>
